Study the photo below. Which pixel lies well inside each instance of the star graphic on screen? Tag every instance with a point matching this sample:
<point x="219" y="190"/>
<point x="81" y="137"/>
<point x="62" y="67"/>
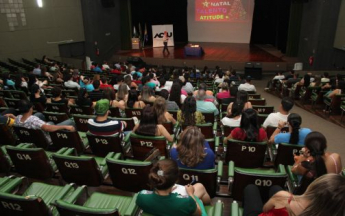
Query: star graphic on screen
<point x="206" y="3"/>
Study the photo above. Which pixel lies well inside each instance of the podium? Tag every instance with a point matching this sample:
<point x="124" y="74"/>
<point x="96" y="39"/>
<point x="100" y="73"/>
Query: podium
<point x="135" y="43"/>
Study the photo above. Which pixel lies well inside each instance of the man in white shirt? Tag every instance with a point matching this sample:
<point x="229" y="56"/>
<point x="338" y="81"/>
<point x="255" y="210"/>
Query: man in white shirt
<point x="284" y="109"/>
<point x="69" y="83"/>
<point x="247" y="86"/>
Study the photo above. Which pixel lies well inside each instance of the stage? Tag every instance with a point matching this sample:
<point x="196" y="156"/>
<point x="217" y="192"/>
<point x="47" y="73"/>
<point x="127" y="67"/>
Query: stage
<point x="221" y="54"/>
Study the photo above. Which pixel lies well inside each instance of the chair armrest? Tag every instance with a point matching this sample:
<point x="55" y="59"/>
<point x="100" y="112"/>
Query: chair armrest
<point x="231" y="174"/>
<point x="235" y="209"/>
<point x="216" y="141"/>
<point x="215" y="125"/>
<point x="169" y="144"/>
<point x="104" y="161"/>
<point x="292" y="177"/>
<point x="116" y="156"/>
<point x="63" y="192"/>
<point x="132" y="206"/>
<point x="25" y="145"/>
<point x="76" y="194"/>
<point x="63" y="151"/>
<point x="217" y="209"/>
<point x="270" y="152"/>
<point x="220" y="168"/>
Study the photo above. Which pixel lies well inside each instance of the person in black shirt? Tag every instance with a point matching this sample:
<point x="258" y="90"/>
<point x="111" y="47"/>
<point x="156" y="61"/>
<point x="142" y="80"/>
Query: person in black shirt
<point x="96" y="94"/>
<point x="57" y="97"/>
<point x="36" y="96"/>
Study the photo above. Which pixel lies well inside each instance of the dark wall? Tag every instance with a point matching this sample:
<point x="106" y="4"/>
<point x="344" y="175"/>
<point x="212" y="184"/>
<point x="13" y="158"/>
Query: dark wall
<point x="102" y="25"/>
<point x="317" y="35"/>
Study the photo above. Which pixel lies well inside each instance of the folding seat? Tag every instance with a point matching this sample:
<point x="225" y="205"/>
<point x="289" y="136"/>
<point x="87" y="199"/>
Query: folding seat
<point x="306" y="95"/>
<point x="33" y="162"/>
<point x="68" y="139"/>
<point x="173" y="113"/>
<point x="114" y="112"/>
<point x="226" y="130"/>
<point x="142" y="146"/>
<point x="19" y="95"/>
<point x="254" y="96"/>
<point x="31" y="136"/>
<point x="209" y="117"/>
<point x="81" y="122"/>
<point x="246" y="154"/>
<point x="210" y="178"/>
<point x="102" y="145"/>
<point x="129" y="175"/>
<point x="5" y="161"/>
<point x="9" y="184"/>
<point x="262" y="118"/>
<point x="38" y="199"/>
<point x="55" y="117"/>
<point x="284" y="154"/>
<point x="98" y="204"/>
<point x="38" y="107"/>
<point x="5" y="94"/>
<point x="333" y="104"/>
<point x="84" y="110"/>
<point x="7" y="135"/>
<point x="239" y="178"/>
<point x="12" y="102"/>
<point x="2" y="103"/>
<point x="173" y="129"/>
<point x="130" y="113"/>
<point x="261" y="101"/>
<point x="72" y="93"/>
<point x="82" y="170"/>
<point x="209" y="130"/>
<point x="270" y="130"/>
<point x="57" y="108"/>
<point x="251" y="92"/>
<point x="224" y="103"/>
<point x="264" y="109"/>
<point x="129" y="121"/>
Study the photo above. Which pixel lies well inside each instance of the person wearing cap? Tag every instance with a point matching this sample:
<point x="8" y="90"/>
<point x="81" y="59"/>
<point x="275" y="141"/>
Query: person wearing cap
<point x="101" y="125"/>
<point x="248" y="86"/>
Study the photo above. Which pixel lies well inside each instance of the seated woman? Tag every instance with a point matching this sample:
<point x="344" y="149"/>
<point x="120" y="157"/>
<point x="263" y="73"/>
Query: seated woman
<point x="323" y="197"/>
<point x="133" y="101"/>
<point x="36" y="96"/>
<point x="7" y="82"/>
<point x="224" y="93"/>
<point x="338" y="90"/>
<point x="242" y="97"/>
<point x="121" y="98"/>
<point x="233" y="117"/>
<point x="192" y="151"/>
<point x="167" y="198"/>
<point x="188" y="116"/>
<point x="176" y="94"/>
<point x="314" y="161"/>
<point x="296" y="134"/>
<point x="57" y="97"/>
<point x="249" y="129"/>
<point x="316" y="82"/>
<point x="160" y="107"/>
<point x="147" y="95"/>
<point x="109" y="94"/>
<point x="83" y="99"/>
<point x="149" y="126"/>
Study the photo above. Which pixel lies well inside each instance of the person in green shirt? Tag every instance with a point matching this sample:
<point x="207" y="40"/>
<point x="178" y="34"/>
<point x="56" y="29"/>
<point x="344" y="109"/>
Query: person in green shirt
<point x="167" y="198"/>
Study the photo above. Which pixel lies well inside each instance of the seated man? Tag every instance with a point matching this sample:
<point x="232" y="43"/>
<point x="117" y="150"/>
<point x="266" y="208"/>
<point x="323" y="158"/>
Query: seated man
<point x="97" y="93"/>
<point x="101" y="125"/>
<point x="27" y="120"/>
<point x="248" y="86"/>
<point x="85" y="82"/>
<point x="284" y="108"/>
<point x="205" y="106"/>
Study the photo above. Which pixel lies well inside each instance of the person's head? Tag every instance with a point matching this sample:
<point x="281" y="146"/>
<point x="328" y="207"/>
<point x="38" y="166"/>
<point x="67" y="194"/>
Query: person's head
<point x="326" y="196"/>
<point x="119" y="79"/>
<point x="316" y="144"/>
<point x="35" y="89"/>
<point x="164" y="93"/>
<point x="242" y="97"/>
<point x="190" y="147"/>
<point x="162" y="82"/>
<point x="104" y="80"/>
<point x="295" y="122"/>
<point x="175" y="93"/>
<point x="56" y="92"/>
<point x="146" y="93"/>
<point x="128" y="80"/>
<point x="286" y="104"/>
<point x="109" y="94"/>
<point x="164" y="174"/>
<point x="25" y="106"/>
<point x="249" y="124"/>
<point x="122" y="92"/>
<point x="96" y="84"/>
<point x="148" y="122"/>
<point x="201" y="95"/>
<point x="86" y="80"/>
<point x="96" y="77"/>
<point x="248" y="79"/>
<point x="67" y="77"/>
<point x="224" y="86"/>
<point x="160" y="107"/>
<point x="188" y="110"/>
<point x="236" y="109"/>
<point x="102" y="107"/>
<point x="132" y="98"/>
<point x="37" y="66"/>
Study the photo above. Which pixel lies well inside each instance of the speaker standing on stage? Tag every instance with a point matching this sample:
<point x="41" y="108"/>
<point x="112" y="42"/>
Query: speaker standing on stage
<point x="165" y="42"/>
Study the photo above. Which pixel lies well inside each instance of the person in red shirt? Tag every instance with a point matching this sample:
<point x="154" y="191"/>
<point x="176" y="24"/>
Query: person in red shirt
<point x="104" y="84"/>
<point x="225" y="93"/>
<point x="249" y="129"/>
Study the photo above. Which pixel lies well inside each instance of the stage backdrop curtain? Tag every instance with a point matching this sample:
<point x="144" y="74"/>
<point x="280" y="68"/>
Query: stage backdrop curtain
<point x="220" y="21"/>
<point x="126" y="27"/>
<point x="296" y="14"/>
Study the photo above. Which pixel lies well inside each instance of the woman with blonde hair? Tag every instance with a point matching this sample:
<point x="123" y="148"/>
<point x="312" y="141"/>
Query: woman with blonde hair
<point x="325" y="196"/>
<point x="160" y="107"/>
<point x="192" y="151"/>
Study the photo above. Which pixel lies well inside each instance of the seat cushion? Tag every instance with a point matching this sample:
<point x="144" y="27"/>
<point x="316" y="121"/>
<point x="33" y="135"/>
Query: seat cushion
<point x="46" y="192"/>
<point x="99" y="161"/>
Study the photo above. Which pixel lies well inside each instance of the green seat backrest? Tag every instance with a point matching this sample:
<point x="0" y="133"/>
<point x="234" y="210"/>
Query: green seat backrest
<point x="285" y="153"/>
<point x="32" y="136"/>
<point x="67" y="139"/>
<point x="81" y="122"/>
<point x="142" y="145"/>
<point x="102" y="145"/>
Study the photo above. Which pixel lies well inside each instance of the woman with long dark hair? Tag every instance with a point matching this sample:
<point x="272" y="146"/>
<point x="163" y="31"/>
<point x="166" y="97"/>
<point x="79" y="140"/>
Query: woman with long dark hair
<point x="133" y="101"/>
<point x="160" y="107"/>
<point x="249" y="129"/>
<point x="36" y="96"/>
<point x="233" y="117"/>
<point x="296" y="134"/>
<point x="242" y="97"/>
<point x="149" y="126"/>
<point x="175" y="94"/>
<point x="188" y="115"/>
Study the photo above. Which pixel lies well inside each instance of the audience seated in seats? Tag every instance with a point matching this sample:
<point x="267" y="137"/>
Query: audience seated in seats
<point x="242" y="97"/>
<point x="296" y="134"/>
<point x="163" y="116"/>
<point x="171" y="105"/>
<point x="284" y="108"/>
<point x="133" y="101"/>
<point x="146" y="82"/>
<point x="85" y="82"/>
<point x="21" y="83"/>
<point x="176" y="94"/>
<point x="289" y="75"/>
<point x="219" y="77"/>
<point x="104" y="84"/>
<point x="96" y="94"/>
<point x="247" y="86"/>
<point x="313" y="160"/>
<point x="205" y="106"/>
<point x="339" y="89"/>
<point x="83" y="100"/>
<point x="101" y="125"/>
<point x="149" y="126"/>
<point x="167" y="198"/>
<point x="225" y="93"/>
<point x="7" y="82"/>
<point x="188" y="116"/>
<point x="37" y="70"/>
<point x="33" y="80"/>
<point x="192" y="151"/>
<point x="325" y="78"/>
<point x="162" y="85"/>
<point x="96" y="68"/>
<point x="36" y="96"/>
<point x="75" y="75"/>
<point x="57" y="97"/>
<point x="316" y="82"/>
<point x="209" y="93"/>
<point x="105" y="66"/>
<point x="305" y="81"/>
<point x="233" y="117"/>
<point x="186" y="85"/>
<point x="325" y="196"/>
<point x="147" y="95"/>
<point x="69" y="83"/>
<point x="119" y="80"/>
<point x="130" y="83"/>
<point x="122" y="97"/>
<point x="249" y="129"/>
<point x="37" y="121"/>
<point x="279" y="76"/>
<point x="109" y="94"/>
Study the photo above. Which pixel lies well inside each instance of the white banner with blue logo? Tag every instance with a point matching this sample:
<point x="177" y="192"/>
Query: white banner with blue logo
<point x="158" y="33"/>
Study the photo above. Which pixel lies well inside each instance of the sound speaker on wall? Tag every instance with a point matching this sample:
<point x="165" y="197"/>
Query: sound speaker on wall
<point x="108" y="3"/>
